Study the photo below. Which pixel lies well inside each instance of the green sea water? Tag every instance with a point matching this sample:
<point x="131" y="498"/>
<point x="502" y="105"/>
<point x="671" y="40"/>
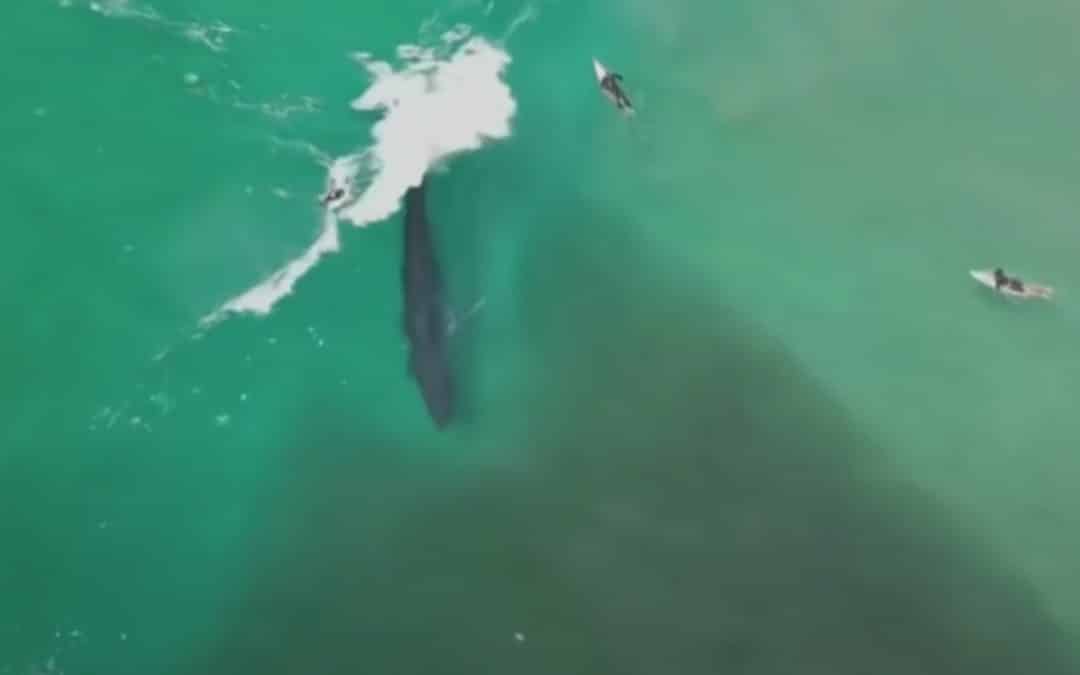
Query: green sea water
<point x="728" y="399"/>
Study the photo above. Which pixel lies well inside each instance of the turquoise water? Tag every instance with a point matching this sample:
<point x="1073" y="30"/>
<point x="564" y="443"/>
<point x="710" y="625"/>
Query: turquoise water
<point x="729" y="400"/>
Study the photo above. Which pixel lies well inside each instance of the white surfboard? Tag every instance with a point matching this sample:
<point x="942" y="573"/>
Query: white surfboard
<point x="601" y="72"/>
<point x="1030" y="292"/>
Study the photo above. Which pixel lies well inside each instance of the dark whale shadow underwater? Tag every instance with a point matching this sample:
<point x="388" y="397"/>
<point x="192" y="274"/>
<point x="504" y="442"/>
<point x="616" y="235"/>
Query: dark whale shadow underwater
<point x="689" y="501"/>
<point x="427" y="321"/>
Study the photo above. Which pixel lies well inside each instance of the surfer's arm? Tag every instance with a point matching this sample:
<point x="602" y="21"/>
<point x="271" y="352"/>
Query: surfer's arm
<point x="616" y="76"/>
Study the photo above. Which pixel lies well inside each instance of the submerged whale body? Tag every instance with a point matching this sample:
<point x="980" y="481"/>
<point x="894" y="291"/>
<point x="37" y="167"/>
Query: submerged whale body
<point x="426" y="324"/>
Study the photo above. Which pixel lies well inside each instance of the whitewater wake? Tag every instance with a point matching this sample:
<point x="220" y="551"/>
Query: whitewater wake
<point x="439" y="102"/>
<point x="213" y="36"/>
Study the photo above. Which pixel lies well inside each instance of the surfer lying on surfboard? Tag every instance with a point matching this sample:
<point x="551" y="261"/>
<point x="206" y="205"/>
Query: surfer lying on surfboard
<point x="610" y="83"/>
<point x="1013" y="284"/>
<point x="1002" y="283"/>
<point x="335" y="195"/>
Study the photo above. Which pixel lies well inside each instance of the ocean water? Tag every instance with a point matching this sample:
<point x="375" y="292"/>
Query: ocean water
<point x="729" y="401"/>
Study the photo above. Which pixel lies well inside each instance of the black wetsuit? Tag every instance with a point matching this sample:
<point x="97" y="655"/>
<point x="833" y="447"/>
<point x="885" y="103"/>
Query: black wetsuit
<point x="1012" y="283"/>
<point x="611" y="84"/>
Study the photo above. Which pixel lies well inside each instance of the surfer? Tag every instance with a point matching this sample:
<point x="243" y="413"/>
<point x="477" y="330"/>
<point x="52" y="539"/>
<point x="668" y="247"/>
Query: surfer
<point x="610" y="83"/>
<point x="333" y="195"/>
<point x="336" y="192"/>
<point x="1000" y="280"/>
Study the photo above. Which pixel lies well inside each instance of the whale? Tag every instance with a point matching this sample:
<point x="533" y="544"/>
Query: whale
<point x="426" y="316"/>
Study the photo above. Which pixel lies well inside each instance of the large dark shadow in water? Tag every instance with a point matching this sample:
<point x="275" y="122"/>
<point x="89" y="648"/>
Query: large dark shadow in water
<point x="425" y="315"/>
<point x="691" y="502"/>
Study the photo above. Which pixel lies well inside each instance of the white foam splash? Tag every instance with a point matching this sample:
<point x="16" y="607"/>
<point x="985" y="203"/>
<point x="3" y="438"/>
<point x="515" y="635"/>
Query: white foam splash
<point x="438" y="104"/>
<point x="432" y="110"/>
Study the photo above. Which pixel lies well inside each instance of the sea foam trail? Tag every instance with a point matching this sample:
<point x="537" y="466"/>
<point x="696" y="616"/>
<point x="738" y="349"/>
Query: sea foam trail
<point x="212" y="36"/>
<point x="438" y="103"/>
<point x="261" y="298"/>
